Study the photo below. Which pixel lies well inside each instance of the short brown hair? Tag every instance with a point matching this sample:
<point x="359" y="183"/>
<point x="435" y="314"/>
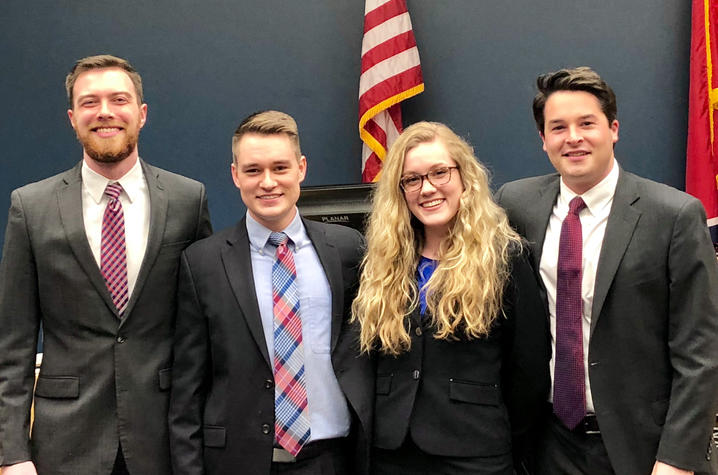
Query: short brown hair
<point x="102" y="61"/>
<point x="268" y="123"/>
<point x="574" y="79"/>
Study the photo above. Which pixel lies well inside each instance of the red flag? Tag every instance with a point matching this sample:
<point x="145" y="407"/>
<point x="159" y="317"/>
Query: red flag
<point x="702" y="149"/>
<point x="390" y="73"/>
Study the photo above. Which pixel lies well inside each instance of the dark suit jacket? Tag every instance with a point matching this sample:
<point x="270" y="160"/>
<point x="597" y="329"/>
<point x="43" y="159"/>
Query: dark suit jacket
<point x="463" y="397"/>
<point x="222" y="403"/>
<point x="101" y="377"/>
<point x="653" y="353"/>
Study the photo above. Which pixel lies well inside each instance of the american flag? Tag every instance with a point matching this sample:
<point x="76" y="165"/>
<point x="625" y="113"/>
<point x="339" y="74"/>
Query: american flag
<point x="390" y="73"/>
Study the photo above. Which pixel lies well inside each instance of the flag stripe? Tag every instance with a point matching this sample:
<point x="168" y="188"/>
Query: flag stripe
<point x="370" y="5"/>
<point x="372" y="167"/>
<point x="399" y="63"/>
<point x="387" y="50"/>
<point x="386" y="121"/>
<point x="384" y="94"/>
<point x="382" y="13"/>
<point x="385" y="31"/>
<point x="371" y="141"/>
<point x="375" y="130"/>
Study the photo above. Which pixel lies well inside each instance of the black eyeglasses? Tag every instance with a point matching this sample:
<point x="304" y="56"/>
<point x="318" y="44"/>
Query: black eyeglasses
<point x="437" y="176"/>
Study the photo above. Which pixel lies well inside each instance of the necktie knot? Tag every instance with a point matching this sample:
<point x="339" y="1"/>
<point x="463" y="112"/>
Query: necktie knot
<point x="113" y="190"/>
<point x="277" y="239"/>
<point x="576" y="205"/>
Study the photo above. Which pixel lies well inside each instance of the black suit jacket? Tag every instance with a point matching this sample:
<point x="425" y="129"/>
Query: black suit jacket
<point x="462" y="397"/>
<point x="103" y="379"/>
<point x="222" y="403"/>
<point x="653" y="353"/>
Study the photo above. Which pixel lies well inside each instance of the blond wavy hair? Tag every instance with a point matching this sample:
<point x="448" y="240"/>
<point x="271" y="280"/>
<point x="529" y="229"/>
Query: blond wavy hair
<point x="464" y="294"/>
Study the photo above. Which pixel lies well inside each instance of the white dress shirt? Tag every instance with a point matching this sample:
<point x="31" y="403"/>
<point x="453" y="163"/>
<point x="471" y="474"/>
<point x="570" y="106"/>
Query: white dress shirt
<point x="593" y="227"/>
<point x="135" y="201"/>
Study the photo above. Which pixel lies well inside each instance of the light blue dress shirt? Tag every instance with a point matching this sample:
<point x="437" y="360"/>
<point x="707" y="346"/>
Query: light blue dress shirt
<point x="328" y="412"/>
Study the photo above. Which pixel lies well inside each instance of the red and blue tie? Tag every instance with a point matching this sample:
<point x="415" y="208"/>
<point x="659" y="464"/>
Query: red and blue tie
<point x="569" y="391"/>
<point x="291" y="422"/>
<point x="113" y="256"/>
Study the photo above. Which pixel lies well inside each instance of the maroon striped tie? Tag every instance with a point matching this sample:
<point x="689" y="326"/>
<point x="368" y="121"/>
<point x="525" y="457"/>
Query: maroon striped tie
<point x="113" y="260"/>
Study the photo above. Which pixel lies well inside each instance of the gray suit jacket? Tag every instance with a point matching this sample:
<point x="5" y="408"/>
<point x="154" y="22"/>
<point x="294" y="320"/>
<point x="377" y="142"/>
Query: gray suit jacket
<point x="222" y="405"/>
<point x="653" y="353"/>
<point x="103" y="380"/>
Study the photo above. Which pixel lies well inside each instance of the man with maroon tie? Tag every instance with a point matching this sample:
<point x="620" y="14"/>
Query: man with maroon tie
<point x="630" y="280"/>
<point x="92" y="255"/>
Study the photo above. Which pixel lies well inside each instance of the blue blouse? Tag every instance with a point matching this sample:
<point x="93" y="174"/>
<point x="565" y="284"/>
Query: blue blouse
<point x="423" y="273"/>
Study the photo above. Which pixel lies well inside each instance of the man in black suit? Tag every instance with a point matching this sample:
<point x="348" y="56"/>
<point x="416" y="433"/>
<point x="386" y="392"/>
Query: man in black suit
<point x="227" y="410"/>
<point x="102" y="394"/>
<point x="646" y="335"/>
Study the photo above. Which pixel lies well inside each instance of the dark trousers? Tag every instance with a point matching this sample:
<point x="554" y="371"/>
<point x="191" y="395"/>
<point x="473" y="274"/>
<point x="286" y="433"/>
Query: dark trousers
<point x="323" y="457"/>
<point x="565" y="452"/>
<point x="411" y="460"/>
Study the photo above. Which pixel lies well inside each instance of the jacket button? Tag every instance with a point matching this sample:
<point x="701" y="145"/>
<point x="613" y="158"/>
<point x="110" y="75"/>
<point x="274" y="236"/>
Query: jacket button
<point x="416" y="374"/>
<point x="417" y="330"/>
<point x="121" y="339"/>
<point x="268" y="384"/>
<point x="265" y="428"/>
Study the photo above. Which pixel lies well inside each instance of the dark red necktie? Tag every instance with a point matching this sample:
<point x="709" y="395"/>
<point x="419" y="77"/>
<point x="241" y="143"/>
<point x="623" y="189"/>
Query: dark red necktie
<point x="569" y="391"/>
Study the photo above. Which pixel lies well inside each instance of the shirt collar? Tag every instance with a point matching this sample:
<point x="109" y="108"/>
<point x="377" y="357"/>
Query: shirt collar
<point x="132" y="182"/>
<point x="259" y="235"/>
<point x="598" y="197"/>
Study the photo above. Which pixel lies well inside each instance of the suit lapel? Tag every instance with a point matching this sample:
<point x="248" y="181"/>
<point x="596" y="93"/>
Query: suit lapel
<point x="69" y="198"/>
<point x="158" y="218"/>
<point x="237" y="263"/>
<point x="329" y="257"/>
<point x="540" y="208"/>
<point x="619" y="229"/>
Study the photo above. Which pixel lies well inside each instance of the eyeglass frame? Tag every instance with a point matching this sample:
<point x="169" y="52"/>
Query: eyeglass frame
<point x="425" y="176"/>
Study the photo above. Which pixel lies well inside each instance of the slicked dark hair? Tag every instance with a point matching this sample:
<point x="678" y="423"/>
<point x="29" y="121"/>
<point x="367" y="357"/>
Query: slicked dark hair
<point x="574" y="79"/>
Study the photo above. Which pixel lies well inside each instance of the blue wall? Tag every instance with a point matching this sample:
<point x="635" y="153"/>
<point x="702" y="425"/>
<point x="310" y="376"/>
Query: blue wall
<point x="206" y="65"/>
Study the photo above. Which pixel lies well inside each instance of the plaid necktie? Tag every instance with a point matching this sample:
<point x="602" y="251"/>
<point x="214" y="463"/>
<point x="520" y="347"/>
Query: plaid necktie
<point x="291" y="422"/>
<point x="569" y="391"/>
<point x="113" y="257"/>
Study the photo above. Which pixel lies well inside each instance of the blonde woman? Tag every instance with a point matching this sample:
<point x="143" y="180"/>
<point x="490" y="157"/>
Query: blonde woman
<point x="450" y="310"/>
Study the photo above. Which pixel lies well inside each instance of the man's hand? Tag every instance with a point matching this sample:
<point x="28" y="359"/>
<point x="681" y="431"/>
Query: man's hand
<point x="22" y="468"/>
<point x="660" y="468"/>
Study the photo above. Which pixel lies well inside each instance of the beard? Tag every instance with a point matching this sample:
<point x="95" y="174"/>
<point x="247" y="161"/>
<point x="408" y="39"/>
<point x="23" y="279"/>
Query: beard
<point x="104" y="152"/>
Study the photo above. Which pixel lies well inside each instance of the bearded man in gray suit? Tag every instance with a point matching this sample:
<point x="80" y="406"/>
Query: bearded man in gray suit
<point x="92" y="254"/>
<point x="635" y="374"/>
